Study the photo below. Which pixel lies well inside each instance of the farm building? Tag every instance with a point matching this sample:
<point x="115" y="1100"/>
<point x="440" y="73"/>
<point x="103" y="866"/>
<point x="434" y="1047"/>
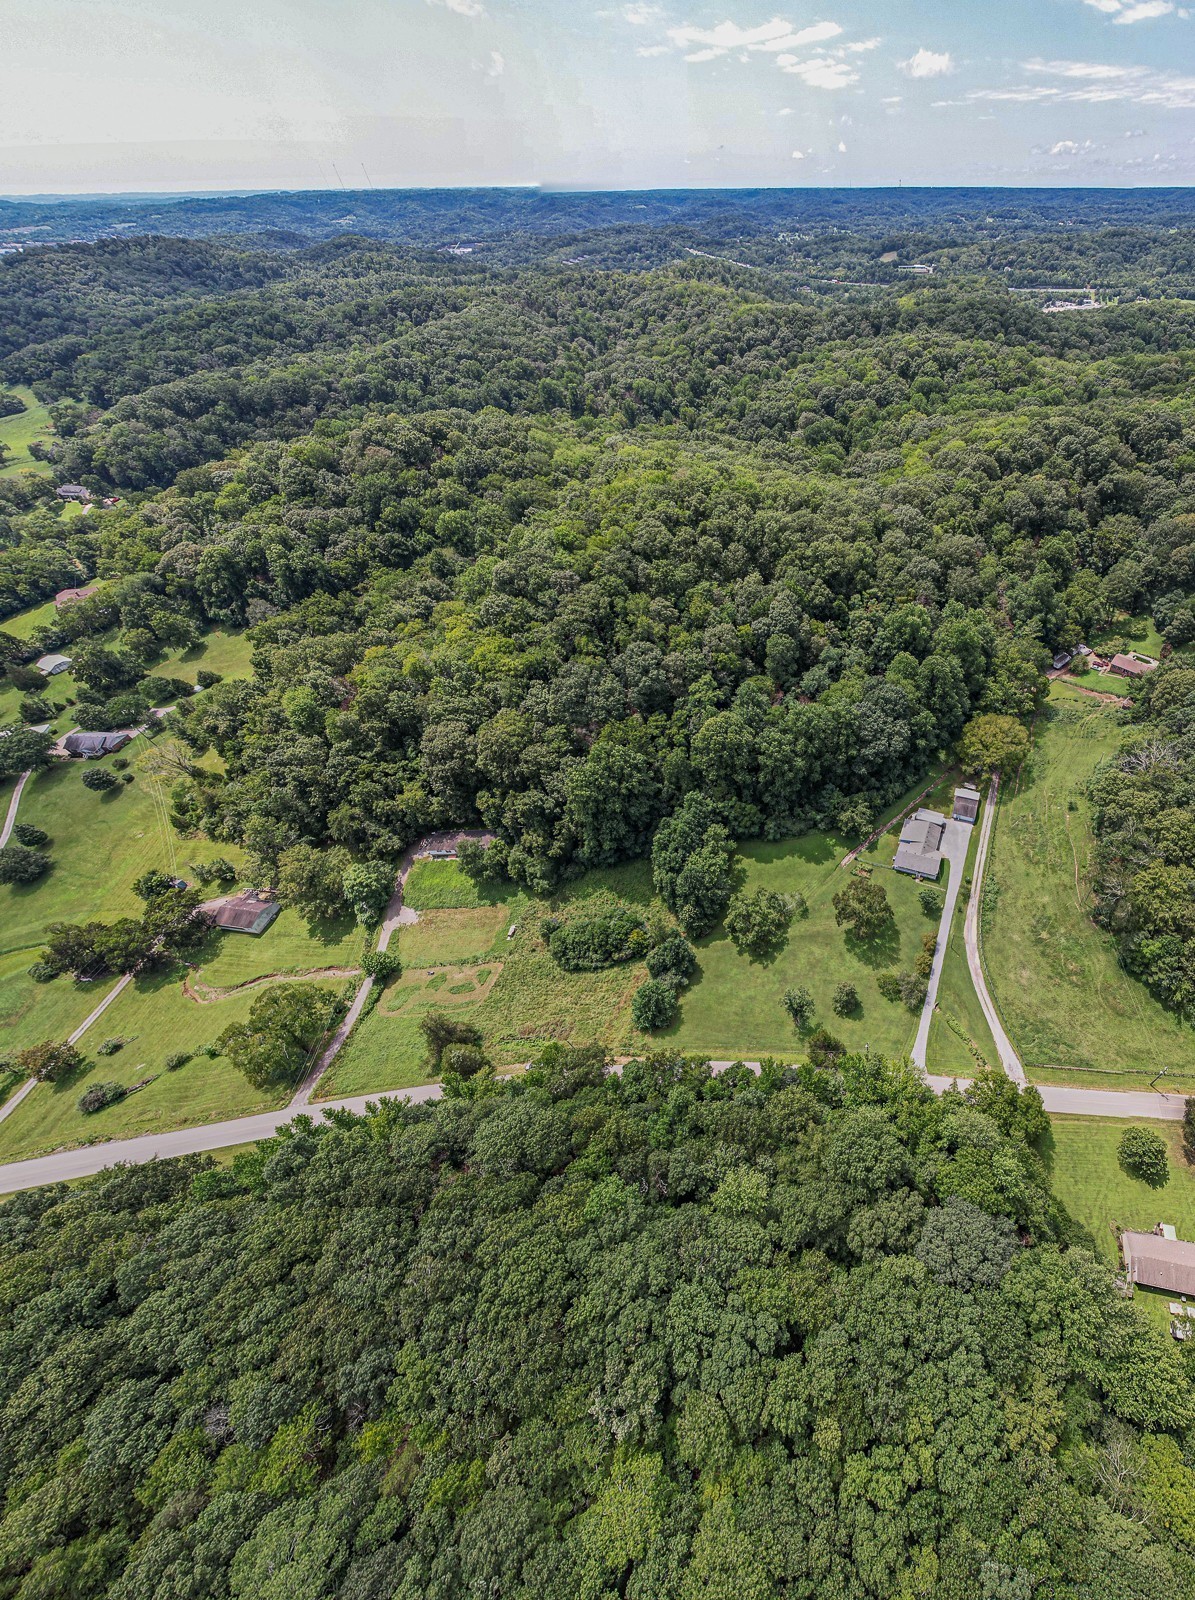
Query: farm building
<point x="966" y="803"/>
<point x="919" y="852"/>
<point x="1156" y="1262"/>
<point x="69" y="597"/>
<point x="250" y="912"/>
<point x="89" y="745"/>
<point x="1131" y="665"/>
<point x="49" y="665"/>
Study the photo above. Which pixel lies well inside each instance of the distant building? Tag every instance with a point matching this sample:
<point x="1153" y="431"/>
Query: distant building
<point x="87" y="746"/>
<point x="966" y="803"/>
<point x="1131" y="665"/>
<point x="73" y="491"/>
<point x="1156" y="1262"/>
<point x="250" y="912"/>
<point x="70" y="597"/>
<point x="1062" y="659"/>
<point x="919" y="852"/>
<point x="49" y="665"/>
<point x="1071" y="305"/>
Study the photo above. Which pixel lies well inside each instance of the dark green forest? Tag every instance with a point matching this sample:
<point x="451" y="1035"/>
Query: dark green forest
<point x="609" y="548"/>
<point x="658" y="1335"/>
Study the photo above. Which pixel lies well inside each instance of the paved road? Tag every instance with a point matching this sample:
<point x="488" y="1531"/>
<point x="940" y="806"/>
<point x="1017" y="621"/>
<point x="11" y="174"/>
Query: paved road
<point x="1009" y="1059"/>
<point x="956" y="841"/>
<point x="11" y="818"/>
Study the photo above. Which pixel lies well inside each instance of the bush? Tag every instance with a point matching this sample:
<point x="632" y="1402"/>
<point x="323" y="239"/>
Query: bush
<point x="653" y="1005"/>
<point x="177" y="1060"/>
<point x="846" y="1000"/>
<point x="100" y="1095"/>
<point x="381" y="964"/>
<point x="99" y="779"/>
<point x="110" y="1046"/>
<point x="26" y="833"/>
<point x="208" y="1051"/>
<point x="672" y="960"/>
<point x="126" y="777"/>
<point x="824" y="1049"/>
<point x="18" y="864"/>
<point x="758" y="922"/>
<point x="43" y="972"/>
<point x="220" y="870"/>
<point x="36" y="708"/>
<point x="888" y="983"/>
<point x="440" y="1030"/>
<point x="206" y="679"/>
<point x="913" y="989"/>
<point x="1189" y="1130"/>
<point x="587" y="944"/>
<point x="931" y="901"/>
<point x="924" y="964"/>
<point x="799" y="1005"/>
<point x="119" y="763"/>
<point x="1142" y="1154"/>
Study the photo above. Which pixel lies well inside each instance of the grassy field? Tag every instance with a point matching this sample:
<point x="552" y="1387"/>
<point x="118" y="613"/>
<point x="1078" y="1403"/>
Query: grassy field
<point x="19" y="432"/>
<point x="1063" y="997"/>
<point x="287" y="946"/>
<point x="157" y="1020"/>
<point x="1094" y="1188"/>
<point x="959" y="1028"/>
<point x="733" y="1008"/>
<point x="225" y="653"/>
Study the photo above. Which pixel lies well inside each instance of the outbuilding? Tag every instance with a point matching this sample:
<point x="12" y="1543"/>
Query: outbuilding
<point x="1156" y="1262"/>
<point x="966" y="803"/>
<point x="49" y="666"/>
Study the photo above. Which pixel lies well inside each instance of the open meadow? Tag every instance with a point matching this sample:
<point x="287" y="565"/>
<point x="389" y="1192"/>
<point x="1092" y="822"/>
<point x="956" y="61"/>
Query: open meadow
<point x="20" y="431"/>
<point x="1067" y="1004"/>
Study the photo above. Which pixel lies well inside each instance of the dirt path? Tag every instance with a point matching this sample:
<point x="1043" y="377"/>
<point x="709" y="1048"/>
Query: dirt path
<point x="1009" y="1060"/>
<point x="206" y="994"/>
<point x="396" y="916"/>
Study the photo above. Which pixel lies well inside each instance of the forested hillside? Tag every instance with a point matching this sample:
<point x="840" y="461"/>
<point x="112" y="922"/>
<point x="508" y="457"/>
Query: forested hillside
<point x="658" y="1334"/>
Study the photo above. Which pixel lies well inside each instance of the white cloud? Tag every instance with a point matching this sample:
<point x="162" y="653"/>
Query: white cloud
<point x="639" y="16"/>
<point x="1097" y="83"/>
<point x="819" y="72"/>
<point x="654" y="50"/>
<point x="798" y="155"/>
<point x="1126" y="12"/>
<point x="768" y="36"/>
<point x="841" y="148"/>
<point x="928" y="64"/>
<point x="1070" y="147"/>
<point x="463" y="8"/>
<point x="497" y="65"/>
<point x="785" y="111"/>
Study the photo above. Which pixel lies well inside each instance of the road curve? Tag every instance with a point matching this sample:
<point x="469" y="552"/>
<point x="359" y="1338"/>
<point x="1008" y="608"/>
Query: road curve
<point x="14" y="802"/>
<point x="1009" y="1059"/>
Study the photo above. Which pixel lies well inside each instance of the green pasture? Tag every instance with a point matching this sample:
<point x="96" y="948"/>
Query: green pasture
<point x="959" y="1037"/>
<point x="19" y="432"/>
<point x="227" y="653"/>
<point x="287" y="946"/>
<point x="1062" y="995"/>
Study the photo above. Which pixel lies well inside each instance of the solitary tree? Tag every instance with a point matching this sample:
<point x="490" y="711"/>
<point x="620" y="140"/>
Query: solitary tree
<point x="798" y="1002"/>
<point x="993" y="743"/>
<point x="863" y="908"/>
<point x="758" y="922"/>
<point x="1142" y="1154"/>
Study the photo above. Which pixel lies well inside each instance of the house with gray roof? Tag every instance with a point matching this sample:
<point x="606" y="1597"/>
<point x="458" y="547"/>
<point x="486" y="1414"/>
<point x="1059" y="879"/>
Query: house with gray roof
<point x="90" y="745"/>
<point x="919" y="852"/>
<point x="1156" y="1262"/>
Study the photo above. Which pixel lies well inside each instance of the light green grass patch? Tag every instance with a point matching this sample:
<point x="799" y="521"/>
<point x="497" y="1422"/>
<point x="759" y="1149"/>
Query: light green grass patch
<point x="31" y="1013"/>
<point x="443" y="886"/>
<point x="959" y="1028"/>
<point x="287" y="946"/>
<point x="218" y="651"/>
<point x="1055" y="977"/>
<point x="30" y="426"/>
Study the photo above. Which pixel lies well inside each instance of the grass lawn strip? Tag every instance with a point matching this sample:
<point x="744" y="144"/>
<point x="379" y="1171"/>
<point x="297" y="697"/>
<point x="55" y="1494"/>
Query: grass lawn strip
<point x="1067" y="1004"/>
<point x="20" y="431"/>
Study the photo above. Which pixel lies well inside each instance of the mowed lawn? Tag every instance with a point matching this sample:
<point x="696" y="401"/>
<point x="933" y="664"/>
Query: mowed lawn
<point x="288" y="945"/>
<point x="20" y="431"/>
<point x="1055" y="977"/>
<point x="1089" y="1180"/>
<point x="225" y="653"/>
<point x="158" y="1020"/>
<point x="734" y="1008"/>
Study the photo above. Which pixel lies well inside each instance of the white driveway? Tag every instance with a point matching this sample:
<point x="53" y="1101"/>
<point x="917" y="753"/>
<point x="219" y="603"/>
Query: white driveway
<point x="955" y="843"/>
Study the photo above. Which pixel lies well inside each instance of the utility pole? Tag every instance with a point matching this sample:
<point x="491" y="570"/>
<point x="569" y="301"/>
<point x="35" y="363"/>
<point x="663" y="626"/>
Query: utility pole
<point x="1158" y="1075"/>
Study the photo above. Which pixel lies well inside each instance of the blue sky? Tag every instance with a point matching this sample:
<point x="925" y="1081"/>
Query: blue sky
<point x="194" y="94"/>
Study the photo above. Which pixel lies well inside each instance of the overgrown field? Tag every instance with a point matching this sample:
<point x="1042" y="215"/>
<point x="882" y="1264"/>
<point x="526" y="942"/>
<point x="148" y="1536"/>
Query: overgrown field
<point x="1055" y="977"/>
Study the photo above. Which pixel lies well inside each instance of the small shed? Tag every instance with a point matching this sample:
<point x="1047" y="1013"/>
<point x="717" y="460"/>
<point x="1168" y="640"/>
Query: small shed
<point x="50" y="665"/>
<point x="1156" y="1262"/>
<point x="73" y="491"/>
<point x="250" y="912"/>
<point x="1062" y="660"/>
<point x="966" y="803"/>
<point x="919" y="852"/>
<point x="70" y="597"/>
<point x="87" y="746"/>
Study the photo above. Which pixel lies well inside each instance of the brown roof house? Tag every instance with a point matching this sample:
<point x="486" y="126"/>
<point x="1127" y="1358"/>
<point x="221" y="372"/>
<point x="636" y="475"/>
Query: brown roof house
<point x="1131" y="665"/>
<point x="1156" y="1262"/>
<point x="919" y="852"/>
<point x="249" y="912"/>
<point x="966" y="803"/>
<point x="70" y="597"/>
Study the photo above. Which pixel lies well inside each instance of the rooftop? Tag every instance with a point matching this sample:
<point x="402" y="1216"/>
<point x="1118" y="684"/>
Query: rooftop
<point x="920" y="848"/>
<point x="1159" y="1263"/>
<point x="249" y="912"/>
